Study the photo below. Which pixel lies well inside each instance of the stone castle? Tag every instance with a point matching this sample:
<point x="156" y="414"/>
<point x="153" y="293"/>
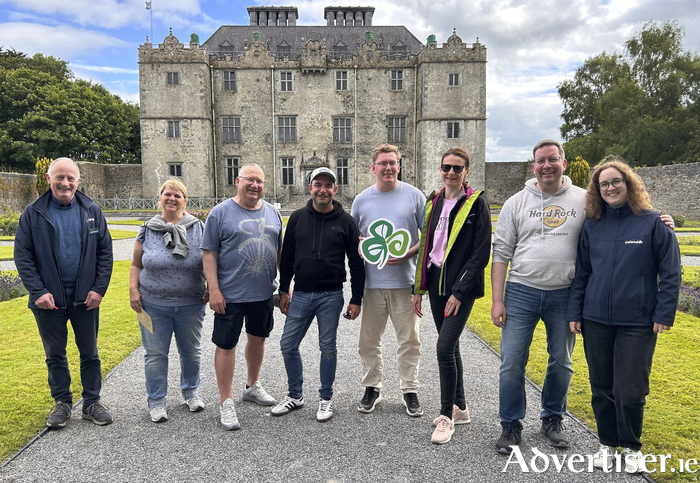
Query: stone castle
<point x="292" y="98"/>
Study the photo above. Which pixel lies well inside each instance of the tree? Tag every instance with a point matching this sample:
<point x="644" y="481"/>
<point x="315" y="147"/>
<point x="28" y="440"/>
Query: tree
<point x="42" y="167"/>
<point x="579" y="172"/>
<point x="641" y="105"/>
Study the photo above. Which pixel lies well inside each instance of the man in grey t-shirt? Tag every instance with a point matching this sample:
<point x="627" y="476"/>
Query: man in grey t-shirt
<point x="241" y="245"/>
<point x="388" y="291"/>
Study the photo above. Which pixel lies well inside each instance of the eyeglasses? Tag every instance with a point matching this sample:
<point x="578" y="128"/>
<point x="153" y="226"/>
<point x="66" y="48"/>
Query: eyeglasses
<point x="616" y="183"/>
<point x="390" y="164"/>
<point x="455" y="167"/>
<point x="552" y="160"/>
<point x="252" y="180"/>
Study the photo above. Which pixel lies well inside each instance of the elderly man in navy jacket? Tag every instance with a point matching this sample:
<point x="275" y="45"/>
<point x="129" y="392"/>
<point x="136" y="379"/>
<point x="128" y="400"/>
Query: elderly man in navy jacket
<point x="63" y="253"/>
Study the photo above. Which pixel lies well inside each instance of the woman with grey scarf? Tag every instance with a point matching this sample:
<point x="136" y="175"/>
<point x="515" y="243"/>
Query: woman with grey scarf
<point x="166" y="282"/>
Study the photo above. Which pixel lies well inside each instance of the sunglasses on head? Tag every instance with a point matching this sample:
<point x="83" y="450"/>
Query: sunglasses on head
<point x="455" y="167"/>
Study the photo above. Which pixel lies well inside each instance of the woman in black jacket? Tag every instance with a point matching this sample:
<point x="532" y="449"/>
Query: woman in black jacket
<point x="625" y="292"/>
<point x="454" y="250"/>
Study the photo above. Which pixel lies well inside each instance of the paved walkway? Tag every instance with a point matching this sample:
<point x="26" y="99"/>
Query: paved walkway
<point x="386" y="445"/>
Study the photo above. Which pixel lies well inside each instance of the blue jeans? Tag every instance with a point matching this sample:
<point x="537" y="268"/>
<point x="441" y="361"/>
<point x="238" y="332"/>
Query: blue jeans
<point x="186" y="323"/>
<point x="326" y="307"/>
<point x="525" y="306"/>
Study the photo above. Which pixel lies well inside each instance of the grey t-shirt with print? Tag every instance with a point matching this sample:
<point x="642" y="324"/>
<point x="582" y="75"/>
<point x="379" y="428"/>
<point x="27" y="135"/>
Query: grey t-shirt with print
<point x="247" y="243"/>
<point x="167" y="280"/>
<point x="404" y="206"/>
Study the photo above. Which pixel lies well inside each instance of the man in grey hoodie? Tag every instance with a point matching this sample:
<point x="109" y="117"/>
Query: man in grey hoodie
<point x="537" y="233"/>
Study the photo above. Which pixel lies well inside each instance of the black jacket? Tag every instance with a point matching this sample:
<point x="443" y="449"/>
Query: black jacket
<point x="628" y="270"/>
<point x="462" y="273"/>
<point x="36" y="258"/>
<point x="314" y="249"/>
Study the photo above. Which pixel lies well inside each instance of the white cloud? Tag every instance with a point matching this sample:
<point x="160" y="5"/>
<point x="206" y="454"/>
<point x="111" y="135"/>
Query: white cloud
<point x="62" y="41"/>
<point x="109" y="70"/>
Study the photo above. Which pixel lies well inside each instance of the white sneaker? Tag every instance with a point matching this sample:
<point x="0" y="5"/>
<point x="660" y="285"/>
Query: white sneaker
<point x="287" y="405"/>
<point x="605" y="457"/>
<point x="633" y="460"/>
<point x="257" y="394"/>
<point x="229" y="420"/>
<point x="158" y="414"/>
<point x="325" y="410"/>
<point x="195" y="404"/>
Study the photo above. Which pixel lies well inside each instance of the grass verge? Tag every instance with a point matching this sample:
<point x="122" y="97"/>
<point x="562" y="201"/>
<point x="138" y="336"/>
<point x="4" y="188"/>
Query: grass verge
<point x="126" y="222"/>
<point x="672" y="415"/>
<point x="26" y="400"/>
<point x="690" y="250"/>
<point x="7" y="253"/>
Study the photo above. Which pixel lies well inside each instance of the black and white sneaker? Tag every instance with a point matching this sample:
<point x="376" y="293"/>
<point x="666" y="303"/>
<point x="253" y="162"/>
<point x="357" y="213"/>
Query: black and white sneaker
<point x="287" y="405"/>
<point x="413" y="408"/>
<point x="371" y="398"/>
<point x="59" y="415"/>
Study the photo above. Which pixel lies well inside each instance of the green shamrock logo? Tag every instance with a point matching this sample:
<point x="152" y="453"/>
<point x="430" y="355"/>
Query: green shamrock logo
<point x="385" y="241"/>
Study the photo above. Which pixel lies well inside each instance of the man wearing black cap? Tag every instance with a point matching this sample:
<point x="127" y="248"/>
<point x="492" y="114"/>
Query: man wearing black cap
<point x="316" y="242"/>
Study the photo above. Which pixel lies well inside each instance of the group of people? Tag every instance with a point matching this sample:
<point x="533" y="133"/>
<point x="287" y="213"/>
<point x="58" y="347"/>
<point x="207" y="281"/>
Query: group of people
<point x="599" y="262"/>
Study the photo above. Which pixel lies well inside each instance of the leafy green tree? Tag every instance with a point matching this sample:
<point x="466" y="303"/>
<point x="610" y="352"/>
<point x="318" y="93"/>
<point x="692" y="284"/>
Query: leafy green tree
<point x="579" y="172"/>
<point x="42" y="167"/>
<point x="641" y="105"/>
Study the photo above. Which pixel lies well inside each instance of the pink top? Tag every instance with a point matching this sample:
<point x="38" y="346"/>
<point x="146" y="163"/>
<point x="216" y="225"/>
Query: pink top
<point x="437" y="254"/>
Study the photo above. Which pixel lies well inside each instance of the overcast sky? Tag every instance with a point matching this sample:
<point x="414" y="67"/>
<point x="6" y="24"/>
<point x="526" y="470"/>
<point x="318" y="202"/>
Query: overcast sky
<point x="532" y="45"/>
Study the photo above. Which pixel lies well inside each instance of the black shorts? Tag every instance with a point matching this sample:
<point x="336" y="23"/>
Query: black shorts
<point x="258" y="321"/>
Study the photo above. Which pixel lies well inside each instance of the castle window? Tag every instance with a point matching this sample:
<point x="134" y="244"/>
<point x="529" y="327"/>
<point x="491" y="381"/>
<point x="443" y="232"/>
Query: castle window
<point x="341" y="169"/>
<point x="287" y="129"/>
<point x="453" y="130"/>
<point x="173" y="78"/>
<point x="225" y="50"/>
<point x="231" y="127"/>
<point x="397" y="80"/>
<point x="284" y="50"/>
<point x="287" y="171"/>
<point x="229" y="80"/>
<point x="342" y="129"/>
<point x="397" y="129"/>
<point x="286" y="81"/>
<point x="232" y="165"/>
<point x="175" y="169"/>
<point x="173" y="129"/>
<point x="341" y="80"/>
<point x="452" y="79"/>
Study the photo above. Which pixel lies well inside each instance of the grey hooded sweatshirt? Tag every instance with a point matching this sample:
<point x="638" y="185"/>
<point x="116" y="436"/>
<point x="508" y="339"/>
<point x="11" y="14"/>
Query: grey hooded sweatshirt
<point x="537" y="233"/>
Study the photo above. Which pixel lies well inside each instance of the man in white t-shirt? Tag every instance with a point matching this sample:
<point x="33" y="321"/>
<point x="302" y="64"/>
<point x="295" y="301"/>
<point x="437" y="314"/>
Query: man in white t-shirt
<point x="388" y="291"/>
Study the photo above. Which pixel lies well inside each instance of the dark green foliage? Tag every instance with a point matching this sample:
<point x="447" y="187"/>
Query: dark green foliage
<point x="641" y="105"/>
<point x="678" y="220"/>
<point x="9" y="223"/>
<point x="44" y="113"/>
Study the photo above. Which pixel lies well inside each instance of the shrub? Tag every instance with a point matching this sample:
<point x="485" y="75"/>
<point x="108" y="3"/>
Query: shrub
<point x="42" y="167"/>
<point x="689" y="300"/>
<point x="678" y="220"/>
<point x="201" y="214"/>
<point x="579" y="172"/>
<point x="11" y="286"/>
<point x="9" y="223"/>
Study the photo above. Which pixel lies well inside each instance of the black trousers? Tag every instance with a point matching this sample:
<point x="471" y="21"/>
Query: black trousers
<point x="53" y="330"/>
<point x="448" y="355"/>
<point x="619" y="363"/>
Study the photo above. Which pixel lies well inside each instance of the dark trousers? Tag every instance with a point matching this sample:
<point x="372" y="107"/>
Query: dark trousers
<point x="53" y="330"/>
<point x="448" y="355"/>
<point x="619" y="363"/>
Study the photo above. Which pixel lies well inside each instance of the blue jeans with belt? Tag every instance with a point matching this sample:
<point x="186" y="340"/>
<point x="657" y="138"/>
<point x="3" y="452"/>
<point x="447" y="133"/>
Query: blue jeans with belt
<point x="525" y="306"/>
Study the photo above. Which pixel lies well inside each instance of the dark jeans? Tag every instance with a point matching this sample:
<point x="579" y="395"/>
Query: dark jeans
<point x="448" y="355"/>
<point x="53" y="330"/>
<point x="619" y="362"/>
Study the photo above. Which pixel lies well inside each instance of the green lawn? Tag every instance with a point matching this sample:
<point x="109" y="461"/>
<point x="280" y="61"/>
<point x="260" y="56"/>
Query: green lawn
<point x="672" y="416"/>
<point x="690" y="250"/>
<point x="6" y="253"/>
<point x="26" y="400"/>
<point x="7" y="238"/>
<point x="127" y="222"/>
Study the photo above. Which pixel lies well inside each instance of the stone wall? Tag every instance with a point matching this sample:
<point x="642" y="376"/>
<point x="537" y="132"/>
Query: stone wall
<point x="97" y="181"/>
<point x="674" y="189"/>
<point x="16" y="191"/>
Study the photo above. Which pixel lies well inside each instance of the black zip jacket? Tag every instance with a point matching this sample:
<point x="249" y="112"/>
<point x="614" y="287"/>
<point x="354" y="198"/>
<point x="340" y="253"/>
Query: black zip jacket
<point x="628" y="270"/>
<point x="314" y="249"/>
<point x="36" y="258"/>
<point x="463" y="270"/>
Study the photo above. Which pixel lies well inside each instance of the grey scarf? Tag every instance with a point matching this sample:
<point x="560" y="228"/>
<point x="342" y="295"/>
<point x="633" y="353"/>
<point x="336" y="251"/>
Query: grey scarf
<point x="175" y="235"/>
